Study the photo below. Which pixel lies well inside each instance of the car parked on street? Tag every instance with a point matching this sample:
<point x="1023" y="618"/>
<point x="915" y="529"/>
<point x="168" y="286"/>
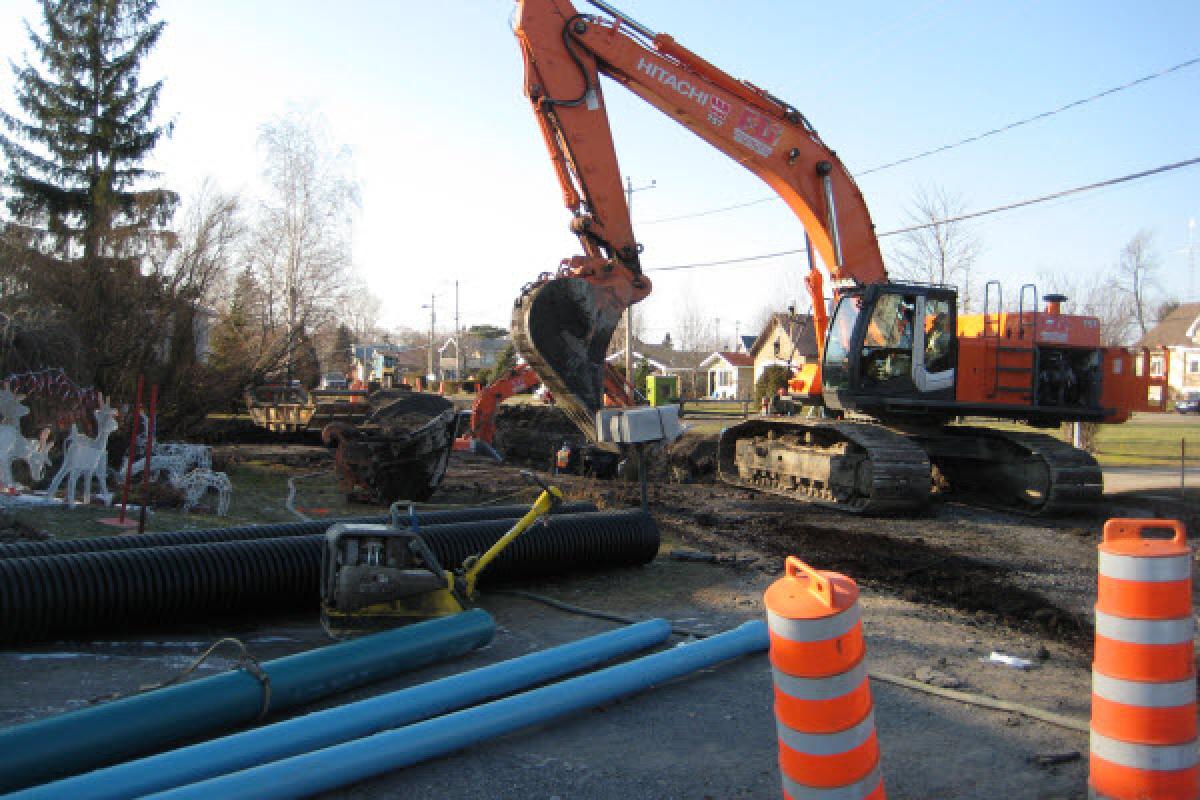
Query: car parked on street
<point x="1188" y="404"/>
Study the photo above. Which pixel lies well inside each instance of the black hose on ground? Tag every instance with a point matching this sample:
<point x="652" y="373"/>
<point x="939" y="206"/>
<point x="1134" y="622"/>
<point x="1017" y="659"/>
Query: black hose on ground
<point x="130" y="541"/>
<point x="86" y="593"/>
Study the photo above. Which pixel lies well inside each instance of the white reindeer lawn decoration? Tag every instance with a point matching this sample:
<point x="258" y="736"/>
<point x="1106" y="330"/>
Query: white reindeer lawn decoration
<point x="196" y="483"/>
<point x="15" y="447"/>
<point x="34" y="452"/>
<point x="87" y="458"/>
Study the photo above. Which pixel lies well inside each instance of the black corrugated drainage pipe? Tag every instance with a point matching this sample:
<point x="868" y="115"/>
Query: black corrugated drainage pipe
<point x="130" y="541"/>
<point x="85" y="593"/>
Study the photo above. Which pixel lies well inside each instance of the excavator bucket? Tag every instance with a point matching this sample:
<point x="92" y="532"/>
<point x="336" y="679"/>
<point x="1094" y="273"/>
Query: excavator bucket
<point x="562" y="327"/>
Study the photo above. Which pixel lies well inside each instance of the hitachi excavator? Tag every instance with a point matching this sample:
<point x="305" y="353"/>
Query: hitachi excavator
<point x="899" y="363"/>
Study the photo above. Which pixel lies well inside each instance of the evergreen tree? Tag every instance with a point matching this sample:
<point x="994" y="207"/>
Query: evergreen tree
<point x="92" y="121"/>
<point x="76" y="182"/>
<point x="343" y="344"/>
<point x="233" y="333"/>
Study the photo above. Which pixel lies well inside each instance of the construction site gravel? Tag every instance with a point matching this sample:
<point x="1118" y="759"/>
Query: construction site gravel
<point x="941" y="592"/>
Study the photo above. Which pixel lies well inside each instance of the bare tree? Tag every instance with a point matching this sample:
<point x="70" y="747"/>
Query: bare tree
<point x="301" y="239"/>
<point x="1098" y="296"/>
<point x="210" y="240"/>
<point x="617" y="343"/>
<point x="1135" y="278"/>
<point x="938" y="251"/>
<point x="694" y="328"/>
<point x="359" y="309"/>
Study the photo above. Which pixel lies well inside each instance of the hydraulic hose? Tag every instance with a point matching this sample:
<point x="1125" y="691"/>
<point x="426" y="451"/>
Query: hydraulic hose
<point x="246" y="532"/>
<point x="85" y="593"/>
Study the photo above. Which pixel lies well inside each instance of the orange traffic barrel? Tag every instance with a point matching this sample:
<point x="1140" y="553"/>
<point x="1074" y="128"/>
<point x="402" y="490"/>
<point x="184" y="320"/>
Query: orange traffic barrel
<point x="823" y="709"/>
<point x="1144" y="733"/>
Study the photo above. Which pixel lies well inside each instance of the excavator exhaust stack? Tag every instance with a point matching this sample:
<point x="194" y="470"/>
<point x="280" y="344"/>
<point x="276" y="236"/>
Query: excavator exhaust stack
<point x="562" y="327"/>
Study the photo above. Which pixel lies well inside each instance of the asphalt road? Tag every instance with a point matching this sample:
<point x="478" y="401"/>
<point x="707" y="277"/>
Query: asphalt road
<point x="1136" y="479"/>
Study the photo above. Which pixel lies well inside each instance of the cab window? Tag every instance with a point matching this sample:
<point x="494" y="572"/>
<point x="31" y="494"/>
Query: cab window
<point x="939" y="338"/>
<point x="887" y="342"/>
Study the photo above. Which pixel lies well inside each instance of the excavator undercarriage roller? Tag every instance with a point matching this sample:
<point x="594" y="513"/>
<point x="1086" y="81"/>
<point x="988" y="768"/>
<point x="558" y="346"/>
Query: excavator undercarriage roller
<point x="870" y="469"/>
<point x="863" y="469"/>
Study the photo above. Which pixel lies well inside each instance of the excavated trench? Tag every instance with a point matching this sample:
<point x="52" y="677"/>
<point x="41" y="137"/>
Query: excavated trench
<point x="913" y="569"/>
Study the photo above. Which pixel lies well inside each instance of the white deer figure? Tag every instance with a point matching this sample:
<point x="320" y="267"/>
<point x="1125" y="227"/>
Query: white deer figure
<point x="34" y="452"/>
<point x="198" y="481"/>
<point x="173" y="466"/>
<point x="14" y="446"/>
<point x="173" y="459"/>
<point x="87" y="458"/>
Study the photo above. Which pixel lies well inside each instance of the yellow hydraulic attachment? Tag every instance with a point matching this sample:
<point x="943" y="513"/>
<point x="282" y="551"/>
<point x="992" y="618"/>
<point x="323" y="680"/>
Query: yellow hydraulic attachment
<point x="378" y="576"/>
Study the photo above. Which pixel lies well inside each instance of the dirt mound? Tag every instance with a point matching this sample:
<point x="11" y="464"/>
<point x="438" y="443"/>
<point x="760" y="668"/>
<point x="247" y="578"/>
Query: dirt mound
<point x="693" y="457"/>
<point x="914" y="569"/>
<point x="240" y="430"/>
<point x="532" y="434"/>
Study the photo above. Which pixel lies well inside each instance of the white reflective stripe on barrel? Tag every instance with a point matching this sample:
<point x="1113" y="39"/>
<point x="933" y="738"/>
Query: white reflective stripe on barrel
<point x="1153" y="757"/>
<point x="1142" y="568"/>
<point x="815" y="630"/>
<point x="1144" y="693"/>
<point x="827" y="744"/>
<point x="855" y="791"/>
<point x="821" y="688"/>
<point x="1145" y="631"/>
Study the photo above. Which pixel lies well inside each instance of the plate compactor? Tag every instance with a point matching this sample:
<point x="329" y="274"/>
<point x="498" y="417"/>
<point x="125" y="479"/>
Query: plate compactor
<point x="381" y="576"/>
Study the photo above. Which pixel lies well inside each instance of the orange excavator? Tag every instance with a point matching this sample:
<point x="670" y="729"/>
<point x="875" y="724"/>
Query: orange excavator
<point x="900" y="363"/>
<point x="482" y="431"/>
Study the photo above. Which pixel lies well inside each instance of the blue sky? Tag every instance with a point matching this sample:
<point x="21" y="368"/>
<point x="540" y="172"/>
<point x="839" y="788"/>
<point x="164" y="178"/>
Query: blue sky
<point x="456" y="183"/>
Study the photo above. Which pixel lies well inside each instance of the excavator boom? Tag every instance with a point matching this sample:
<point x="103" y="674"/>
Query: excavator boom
<point x="563" y="323"/>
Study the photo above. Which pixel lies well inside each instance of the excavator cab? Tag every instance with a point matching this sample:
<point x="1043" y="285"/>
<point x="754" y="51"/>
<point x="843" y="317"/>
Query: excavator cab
<point x="890" y="343"/>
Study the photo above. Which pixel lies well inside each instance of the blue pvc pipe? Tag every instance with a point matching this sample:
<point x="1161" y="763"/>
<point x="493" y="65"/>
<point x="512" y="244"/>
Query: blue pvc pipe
<point x="83" y="740"/>
<point x="351" y="762"/>
<point x="344" y="723"/>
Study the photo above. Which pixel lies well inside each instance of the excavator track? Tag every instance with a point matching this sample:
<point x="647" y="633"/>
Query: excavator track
<point x="853" y="467"/>
<point x="1026" y="473"/>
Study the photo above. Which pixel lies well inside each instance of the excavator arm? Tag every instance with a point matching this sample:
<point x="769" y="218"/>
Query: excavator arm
<point x="563" y="323"/>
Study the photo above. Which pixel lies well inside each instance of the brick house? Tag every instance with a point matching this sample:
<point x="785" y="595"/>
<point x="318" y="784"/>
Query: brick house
<point x="1178" y="334"/>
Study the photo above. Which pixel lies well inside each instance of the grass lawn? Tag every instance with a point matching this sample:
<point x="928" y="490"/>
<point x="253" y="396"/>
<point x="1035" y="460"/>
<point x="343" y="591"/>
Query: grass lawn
<point x="259" y="494"/>
<point x="1145" y="440"/>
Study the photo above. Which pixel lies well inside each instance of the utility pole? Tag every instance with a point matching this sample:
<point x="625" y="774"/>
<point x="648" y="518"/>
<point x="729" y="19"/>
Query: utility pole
<point x="737" y="335"/>
<point x="717" y="334"/>
<point x="629" y="190"/>
<point x="432" y="321"/>
<point x="458" y="365"/>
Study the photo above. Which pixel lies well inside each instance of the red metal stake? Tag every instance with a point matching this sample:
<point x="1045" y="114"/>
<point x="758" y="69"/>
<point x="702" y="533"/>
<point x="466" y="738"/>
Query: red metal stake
<point x="151" y="425"/>
<point x="137" y="418"/>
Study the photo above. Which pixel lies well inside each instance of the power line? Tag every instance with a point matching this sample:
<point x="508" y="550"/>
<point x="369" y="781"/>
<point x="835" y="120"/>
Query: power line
<point x="972" y="215"/>
<point x="943" y="148"/>
<point x="1045" y="198"/>
<point x="1034" y="118"/>
<point x="699" y="264"/>
<point x="711" y="211"/>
